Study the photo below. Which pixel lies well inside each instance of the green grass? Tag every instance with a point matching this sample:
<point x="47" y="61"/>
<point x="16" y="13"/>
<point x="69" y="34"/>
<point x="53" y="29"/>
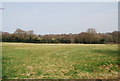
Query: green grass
<point x="60" y="61"/>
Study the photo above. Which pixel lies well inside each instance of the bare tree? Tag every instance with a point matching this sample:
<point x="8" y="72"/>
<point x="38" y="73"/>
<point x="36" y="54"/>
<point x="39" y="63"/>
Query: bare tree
<point x="91" y="30"/>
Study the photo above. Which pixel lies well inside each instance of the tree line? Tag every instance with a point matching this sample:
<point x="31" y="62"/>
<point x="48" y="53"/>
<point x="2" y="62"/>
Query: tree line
<point x="88" y="37"/>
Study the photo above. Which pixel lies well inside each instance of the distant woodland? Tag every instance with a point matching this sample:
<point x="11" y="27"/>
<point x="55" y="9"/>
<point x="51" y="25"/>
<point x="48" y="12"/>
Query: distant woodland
<point x="88" y="37"/>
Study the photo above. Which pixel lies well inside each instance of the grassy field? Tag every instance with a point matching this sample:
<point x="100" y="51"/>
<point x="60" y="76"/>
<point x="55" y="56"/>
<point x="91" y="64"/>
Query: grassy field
<point x="60" y="61"/>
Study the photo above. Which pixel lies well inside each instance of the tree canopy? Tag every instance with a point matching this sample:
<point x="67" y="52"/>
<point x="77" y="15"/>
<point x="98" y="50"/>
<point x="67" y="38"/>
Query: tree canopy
<point x="88" y="37"/>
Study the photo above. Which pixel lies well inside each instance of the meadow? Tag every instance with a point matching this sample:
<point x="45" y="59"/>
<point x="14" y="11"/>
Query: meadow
<point x="59" y="61"/>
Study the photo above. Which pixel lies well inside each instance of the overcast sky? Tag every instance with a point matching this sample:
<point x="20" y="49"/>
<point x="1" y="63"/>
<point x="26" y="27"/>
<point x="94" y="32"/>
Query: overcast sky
<point x="54" y="18"/>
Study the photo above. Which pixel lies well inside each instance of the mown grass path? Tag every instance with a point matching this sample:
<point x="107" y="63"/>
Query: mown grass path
<point x="60" y="61"/>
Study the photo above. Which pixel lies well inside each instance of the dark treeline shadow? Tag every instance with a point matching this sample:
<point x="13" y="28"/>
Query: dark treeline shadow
<point x="88" y="37"/>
